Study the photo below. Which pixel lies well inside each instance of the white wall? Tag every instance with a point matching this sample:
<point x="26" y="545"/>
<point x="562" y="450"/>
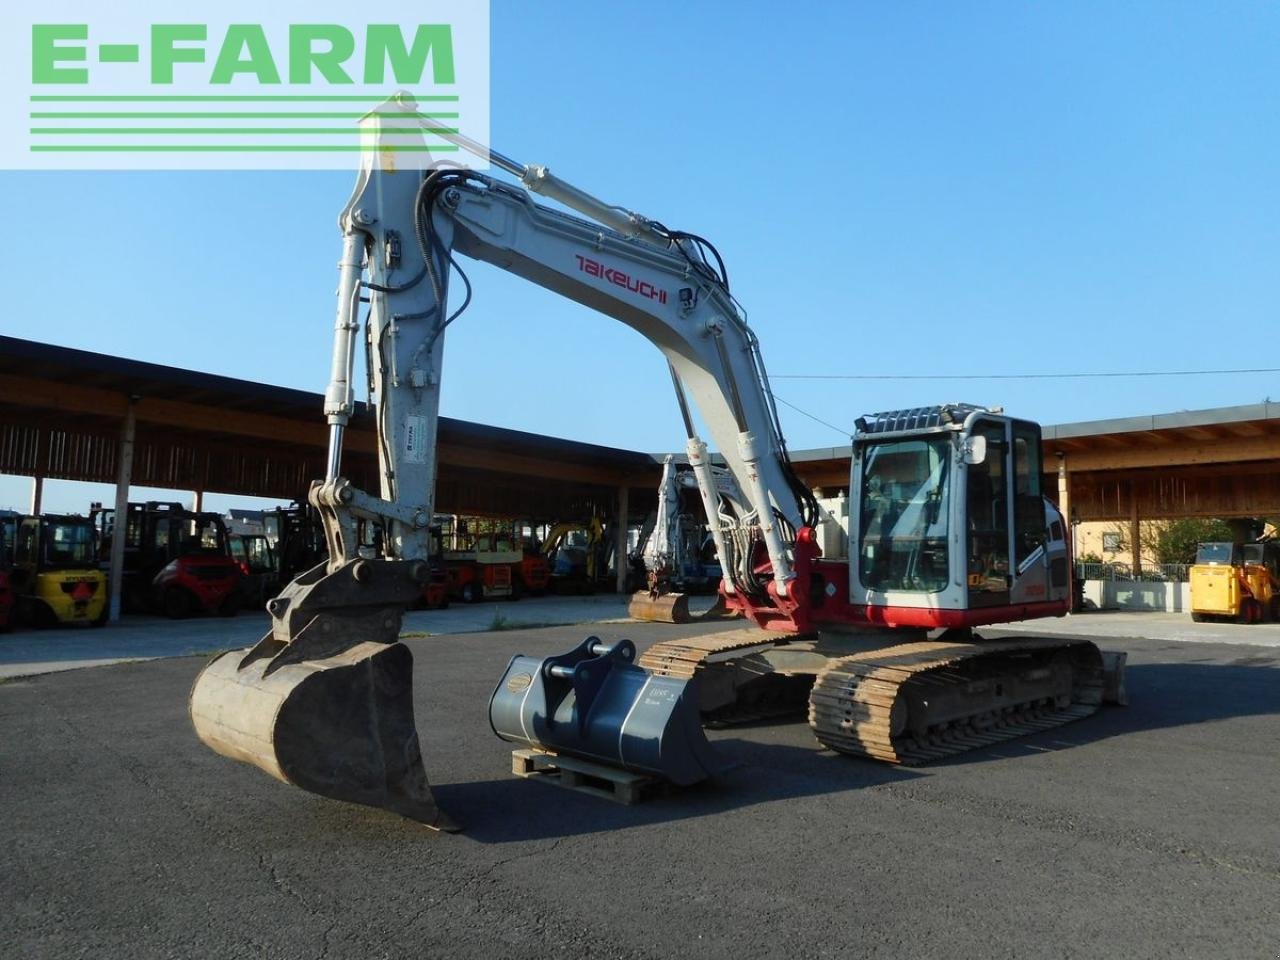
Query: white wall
<point x="1139" y="595"/>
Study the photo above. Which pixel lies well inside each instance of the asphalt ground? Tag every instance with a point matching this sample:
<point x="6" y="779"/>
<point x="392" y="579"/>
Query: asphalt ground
<point x="24" y="652"/>
<point x="1146" y="831"/>
<point x="138" y="637"/>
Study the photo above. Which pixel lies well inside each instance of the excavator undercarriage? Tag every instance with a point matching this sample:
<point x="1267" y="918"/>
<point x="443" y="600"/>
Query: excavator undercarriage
<point x="870" y="694"/>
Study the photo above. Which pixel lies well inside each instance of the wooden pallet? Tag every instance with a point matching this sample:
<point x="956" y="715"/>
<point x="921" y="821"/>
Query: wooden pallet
<point x="620" y="786"/>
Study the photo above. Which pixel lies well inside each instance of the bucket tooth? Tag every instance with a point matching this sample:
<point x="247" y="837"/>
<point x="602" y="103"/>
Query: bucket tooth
<point x="340" y="726"/>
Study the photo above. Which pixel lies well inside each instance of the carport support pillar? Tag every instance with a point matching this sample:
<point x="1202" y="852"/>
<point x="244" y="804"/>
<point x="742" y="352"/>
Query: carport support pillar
<point x="1064" y="494"/>
<point x="620" y="560"/>
<point x="197" y="501"/>
<point x="41" y="464"/>
<point x="124" y="474"/>
<point x="1135" y="531"/>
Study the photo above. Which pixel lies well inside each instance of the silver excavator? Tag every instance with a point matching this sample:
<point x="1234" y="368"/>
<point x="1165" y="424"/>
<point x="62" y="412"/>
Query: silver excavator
<point x="673" y="552"/>
<point x="948" y="527"/>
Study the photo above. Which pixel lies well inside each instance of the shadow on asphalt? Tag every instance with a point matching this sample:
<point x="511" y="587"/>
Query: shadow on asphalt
<point x="514" y="809"/>
<point x="1160" y="695"/>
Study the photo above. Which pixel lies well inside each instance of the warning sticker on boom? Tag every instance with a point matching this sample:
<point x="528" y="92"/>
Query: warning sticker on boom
<point x="415" y="439"/>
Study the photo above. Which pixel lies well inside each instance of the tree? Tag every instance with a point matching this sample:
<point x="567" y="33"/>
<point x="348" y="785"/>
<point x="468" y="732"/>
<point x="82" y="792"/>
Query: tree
<point x="1175" y="541"/>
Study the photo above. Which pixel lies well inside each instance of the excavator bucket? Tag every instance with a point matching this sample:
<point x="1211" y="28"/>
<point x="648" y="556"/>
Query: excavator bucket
<point x="340" y="726"/>
<point x="595" y="703"/>
<point x="669" y="608"/>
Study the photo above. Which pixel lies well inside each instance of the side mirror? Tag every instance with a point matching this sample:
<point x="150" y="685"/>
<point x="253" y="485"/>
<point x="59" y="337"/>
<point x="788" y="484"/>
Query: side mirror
<point x="975" y="450"/>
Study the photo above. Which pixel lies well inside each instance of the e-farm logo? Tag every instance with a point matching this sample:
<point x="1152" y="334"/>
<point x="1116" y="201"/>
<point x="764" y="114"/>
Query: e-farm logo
<point x="154" y="85"/>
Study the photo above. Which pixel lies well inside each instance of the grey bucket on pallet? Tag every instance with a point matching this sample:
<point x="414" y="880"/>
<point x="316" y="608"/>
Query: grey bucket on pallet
<point x="595" y="703"/>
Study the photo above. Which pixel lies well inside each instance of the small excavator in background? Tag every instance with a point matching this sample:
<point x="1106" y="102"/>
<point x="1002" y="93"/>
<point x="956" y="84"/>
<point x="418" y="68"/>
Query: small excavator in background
<point x="679" y="554"/>
<point x="577" y="556"/>
<point x="949" y="526"/>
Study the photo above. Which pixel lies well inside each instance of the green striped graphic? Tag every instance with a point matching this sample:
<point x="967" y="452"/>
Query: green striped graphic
<point x="160" y="131"/>
<point x="252" y="107"/>
<point x="220" y="115"/>
<point x="224" y="98"/>
<point x="233" y="148"/>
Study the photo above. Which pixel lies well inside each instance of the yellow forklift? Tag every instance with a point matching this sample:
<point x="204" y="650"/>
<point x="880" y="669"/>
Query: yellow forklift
<point x="1240" y="582"/>
<point x="55" y="577"/>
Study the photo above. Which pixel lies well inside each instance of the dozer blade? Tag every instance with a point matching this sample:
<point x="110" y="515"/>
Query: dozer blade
<point x="595" y="703"/>
<point x="670" y="608"/>
<point x="341" y="726"/>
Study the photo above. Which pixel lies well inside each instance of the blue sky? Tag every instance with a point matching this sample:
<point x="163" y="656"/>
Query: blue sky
<point x="905" y="188"/>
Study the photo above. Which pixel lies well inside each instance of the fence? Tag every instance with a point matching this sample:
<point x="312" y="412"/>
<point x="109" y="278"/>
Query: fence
<point x="1123" y="573"/>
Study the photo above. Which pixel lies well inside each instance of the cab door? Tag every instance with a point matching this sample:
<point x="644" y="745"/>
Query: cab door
<point x="1034" y="552"/>
<point x="987" y="509"/>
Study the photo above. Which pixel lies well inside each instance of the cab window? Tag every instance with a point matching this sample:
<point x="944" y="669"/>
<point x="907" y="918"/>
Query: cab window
<point x="1028" y="522"/>
<point x="24" y="550"/>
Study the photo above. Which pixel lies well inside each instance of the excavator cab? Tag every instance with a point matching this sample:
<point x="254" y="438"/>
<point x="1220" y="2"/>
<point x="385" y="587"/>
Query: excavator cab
<point x="951" y="527"/>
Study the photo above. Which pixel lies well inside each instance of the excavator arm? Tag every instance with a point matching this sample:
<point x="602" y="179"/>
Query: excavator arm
<point x="404" y="229"/>
<point x="656" y="282"/>
<point x="675" y="301"/>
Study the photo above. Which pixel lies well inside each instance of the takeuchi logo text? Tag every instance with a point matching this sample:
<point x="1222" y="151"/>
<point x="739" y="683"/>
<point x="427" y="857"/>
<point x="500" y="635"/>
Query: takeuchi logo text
<point x="643" y="288"/>
<point x="62" y="53"/>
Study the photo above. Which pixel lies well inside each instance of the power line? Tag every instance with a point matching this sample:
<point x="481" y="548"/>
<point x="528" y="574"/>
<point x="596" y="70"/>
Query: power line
<point x="1015" y="376"/>
<point x="806" y="413"/>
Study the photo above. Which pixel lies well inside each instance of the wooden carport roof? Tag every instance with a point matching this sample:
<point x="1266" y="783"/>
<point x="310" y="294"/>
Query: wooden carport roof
<point x="1222" y="462"/>
<point x="61" y="411"/>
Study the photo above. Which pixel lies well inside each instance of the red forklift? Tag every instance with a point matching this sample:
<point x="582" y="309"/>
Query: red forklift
<point x="176" y="561"/>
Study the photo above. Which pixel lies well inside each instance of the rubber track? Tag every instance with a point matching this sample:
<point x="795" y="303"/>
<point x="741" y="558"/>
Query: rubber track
<point x="687" y="658"/>
<point x="856" y="702"/>
<point x="683" y="658"/>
